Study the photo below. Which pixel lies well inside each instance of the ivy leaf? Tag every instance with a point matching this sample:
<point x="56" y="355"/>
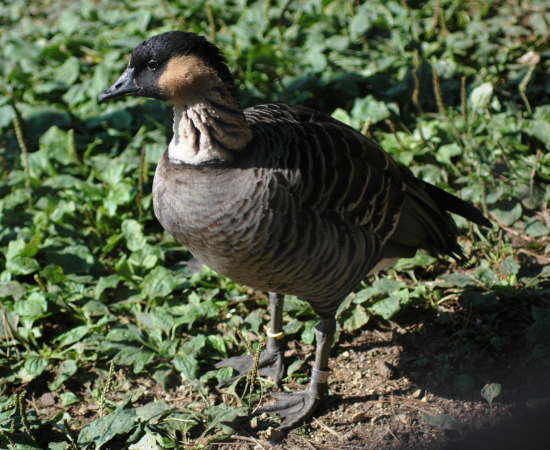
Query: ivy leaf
<point x="480" y="97"/>
<point x="35" y="365"/>
<point x="387" y="308"/>
<point x="132" y="230"/>
<point x="102" y="430"/>
<point x="187" y="365"/>
<point x="358" y="317"/>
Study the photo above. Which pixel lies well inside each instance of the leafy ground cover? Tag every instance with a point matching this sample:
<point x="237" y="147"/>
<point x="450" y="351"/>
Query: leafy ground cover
<point x="109" y="334"/>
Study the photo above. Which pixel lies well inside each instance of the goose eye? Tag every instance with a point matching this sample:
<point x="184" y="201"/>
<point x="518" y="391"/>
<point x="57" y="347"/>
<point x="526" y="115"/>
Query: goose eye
<point x="152" y="64"/>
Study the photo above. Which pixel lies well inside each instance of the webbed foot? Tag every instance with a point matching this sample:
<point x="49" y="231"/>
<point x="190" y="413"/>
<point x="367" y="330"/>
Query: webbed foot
<point x="293" y="407"/>
<point x="270" y="365"/>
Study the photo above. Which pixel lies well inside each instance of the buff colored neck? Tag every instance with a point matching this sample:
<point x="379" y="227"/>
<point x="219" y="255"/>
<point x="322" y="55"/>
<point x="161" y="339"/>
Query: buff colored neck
<point x="211" y="128"/>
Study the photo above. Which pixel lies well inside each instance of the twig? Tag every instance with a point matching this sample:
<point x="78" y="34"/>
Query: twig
<point x="71" y="147"/>
<point x="541" y="259"/>
<point x="464" y="101"/>
<point x="282" y="18"/>
<point x="416" y="91"/>
<point x="439" y="18"/>
<point x="249" y="439"/>
<point x="441" y="106"/>
<point x="522" y="88"/>
<point x="538" y="157"/>
<point x="327" y="428"/>
<point x="142" y="178"/>
<point x="517" y="233"/>
<point x="393" y="434"/>
<point x="437" y="91"/>
<point x="390" y="124"/>
<point x="211" y="22"/>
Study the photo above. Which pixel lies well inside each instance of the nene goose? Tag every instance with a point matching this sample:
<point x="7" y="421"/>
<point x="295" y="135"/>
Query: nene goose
<point x="280" y="198"/>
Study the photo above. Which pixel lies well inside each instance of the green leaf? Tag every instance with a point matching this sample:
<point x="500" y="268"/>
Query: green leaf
<point x="194" y="345"/>
<point x="480" y="97"/>
<point x="308" y="335"/>
<point x="130" y="355"/>
<point x="113" y="174"/>
<point x="255" y="320"/>
<point x="58" y="446"/>
<point x="156" y="320"/>
<point x="387" y="308"/>
<point x="537" y="229"/>
<point x="458" y="280"/>
<point x="68" y="72"/>
<point x="159" y="282"/>
<point x="358" y="317"/>
<point x="486" y="275"/>
<point x="508" y="212"/>
<point x="372" y="111"/>
<point x="102" y="430"/>
<point x="152" y="412"/>
<point x="12" y="289"/>
<point x="509" y="266"/>
<point x="53" y="273"/>
<point x="421" y="259"/>
<point x="539" y="127"/>
<point x="294" y="366"/>
<point x="63" y="372"/>
<point x="73" y="335"/>
<point x="35" y="365"/>
<point x="187" y="365"/>
<point x="147" y="442"/>
<point x="126" y="333"/>
<point x="34" y="306"/>
<point x="54" y="145"/>
<point x="218" y="343"/>
<point x="22" y="265"/>
<point x="132" y="231"/>
<point x="221" y="416"/>
<point x="386" y="286"/>
<point x="68" y="398"/>
<point x="447" y="151"/>
<point x="360" y="22"/>
<point x="104" y="283"/>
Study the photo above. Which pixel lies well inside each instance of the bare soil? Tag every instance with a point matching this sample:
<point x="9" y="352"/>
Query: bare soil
<point x="418" y="387"/>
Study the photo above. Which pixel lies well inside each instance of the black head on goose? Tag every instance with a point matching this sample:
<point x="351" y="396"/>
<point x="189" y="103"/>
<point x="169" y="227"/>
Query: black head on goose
<point x="172" y="66"/>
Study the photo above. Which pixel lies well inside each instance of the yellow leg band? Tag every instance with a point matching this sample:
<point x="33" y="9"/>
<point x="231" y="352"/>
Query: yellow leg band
<point x="271" y="334"/>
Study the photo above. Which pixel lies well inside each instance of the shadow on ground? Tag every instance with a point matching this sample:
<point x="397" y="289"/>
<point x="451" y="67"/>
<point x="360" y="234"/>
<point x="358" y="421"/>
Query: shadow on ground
<point x="417" y="384"/>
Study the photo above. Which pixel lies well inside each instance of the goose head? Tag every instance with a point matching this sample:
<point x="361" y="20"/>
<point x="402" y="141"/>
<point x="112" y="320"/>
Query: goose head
<point x="178" y="67"/>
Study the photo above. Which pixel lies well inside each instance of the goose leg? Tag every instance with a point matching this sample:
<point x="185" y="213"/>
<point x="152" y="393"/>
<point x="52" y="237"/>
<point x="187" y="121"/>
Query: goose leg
<point x="271" y="359"/>
<point x="294" y="407"/>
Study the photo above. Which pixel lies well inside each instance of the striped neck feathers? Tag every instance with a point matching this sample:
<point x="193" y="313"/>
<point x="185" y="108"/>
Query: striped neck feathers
<point x="210" y="129"/>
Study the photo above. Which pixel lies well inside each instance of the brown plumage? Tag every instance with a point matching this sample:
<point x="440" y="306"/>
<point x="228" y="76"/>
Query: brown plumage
<point x="281" y="198"/>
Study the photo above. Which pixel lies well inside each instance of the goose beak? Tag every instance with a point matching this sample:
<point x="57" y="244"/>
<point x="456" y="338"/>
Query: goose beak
<point x="122" y="87"/>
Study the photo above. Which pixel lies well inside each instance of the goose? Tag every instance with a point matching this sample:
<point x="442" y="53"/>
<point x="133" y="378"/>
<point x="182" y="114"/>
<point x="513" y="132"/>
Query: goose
<point x="282" y="198"/>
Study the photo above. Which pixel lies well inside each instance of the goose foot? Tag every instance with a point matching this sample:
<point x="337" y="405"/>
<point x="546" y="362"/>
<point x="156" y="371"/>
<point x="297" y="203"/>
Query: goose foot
<point x="293" y="407"/>
<point x="270" y="365"/>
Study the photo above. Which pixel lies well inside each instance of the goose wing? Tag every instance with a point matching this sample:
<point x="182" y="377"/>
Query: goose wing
<point x="334" y="169"/>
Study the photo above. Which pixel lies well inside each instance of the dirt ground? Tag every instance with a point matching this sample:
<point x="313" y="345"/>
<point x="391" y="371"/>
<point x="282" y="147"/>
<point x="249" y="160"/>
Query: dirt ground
<point x="418" y="387"/>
